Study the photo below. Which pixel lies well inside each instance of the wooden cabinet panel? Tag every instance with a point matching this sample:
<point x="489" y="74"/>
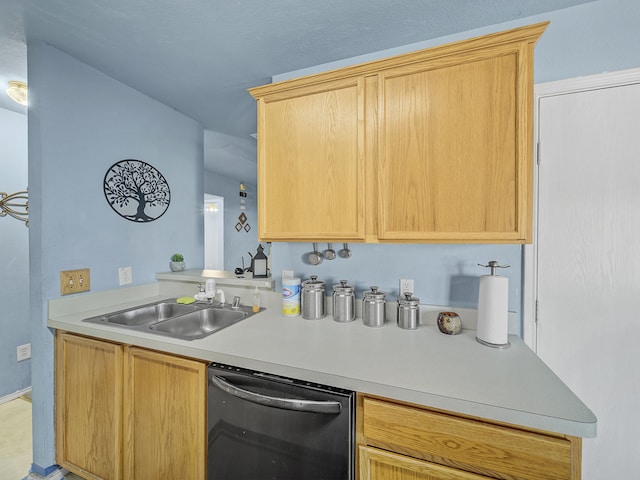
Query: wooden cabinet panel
<point x="470" y="445"/>
<point x="165" y="405"/>
<point x="88" y="406"/>
<point x="310" y="166"/>
<point x="380" y="465"/>
<point x="449" y="164"/>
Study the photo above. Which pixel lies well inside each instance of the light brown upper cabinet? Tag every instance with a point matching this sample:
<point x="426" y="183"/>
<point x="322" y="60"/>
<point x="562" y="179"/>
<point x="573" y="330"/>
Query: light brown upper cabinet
<point x="433" y="146"/>
<point x="311" y="162"/>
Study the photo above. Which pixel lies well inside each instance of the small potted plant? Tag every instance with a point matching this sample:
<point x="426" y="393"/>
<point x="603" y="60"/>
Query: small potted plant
<point x="177" y="262"/>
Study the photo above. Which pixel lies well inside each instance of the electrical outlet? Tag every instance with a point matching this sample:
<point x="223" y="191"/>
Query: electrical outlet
<point x="125" y="275"/>
<point x="23" y="352"/>
<point x="287" y="273"/>
<point x="406" y="286"/>
<point x="75" y="281"/>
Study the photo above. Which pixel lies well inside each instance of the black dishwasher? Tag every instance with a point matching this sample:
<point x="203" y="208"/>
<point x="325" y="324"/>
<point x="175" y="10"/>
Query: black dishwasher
<point x="263" y="426"/>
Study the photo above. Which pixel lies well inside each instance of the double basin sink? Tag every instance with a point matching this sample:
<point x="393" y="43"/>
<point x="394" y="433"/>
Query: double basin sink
<point x="176" y="320"/>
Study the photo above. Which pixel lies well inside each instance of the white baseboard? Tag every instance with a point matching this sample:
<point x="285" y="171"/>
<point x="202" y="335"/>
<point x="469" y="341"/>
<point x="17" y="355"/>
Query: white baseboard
<point x="14" y="395"/>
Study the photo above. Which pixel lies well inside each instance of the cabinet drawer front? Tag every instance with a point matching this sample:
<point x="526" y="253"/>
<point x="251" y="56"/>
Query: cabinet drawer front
<point x="467" y="444"/>
<point x="380" y="465"/>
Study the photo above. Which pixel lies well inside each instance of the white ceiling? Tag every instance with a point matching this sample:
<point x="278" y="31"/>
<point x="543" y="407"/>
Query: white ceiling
<point x="201" y="56"/>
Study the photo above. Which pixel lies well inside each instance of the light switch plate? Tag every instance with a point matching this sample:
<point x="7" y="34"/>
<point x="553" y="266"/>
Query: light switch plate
<point x="23" y="352"/>
<point x="125" y="276"/>
<point x="75" y="281"/>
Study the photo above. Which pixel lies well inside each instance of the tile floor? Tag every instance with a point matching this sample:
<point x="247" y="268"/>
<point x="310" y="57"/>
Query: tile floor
<point x="15" y="440"/>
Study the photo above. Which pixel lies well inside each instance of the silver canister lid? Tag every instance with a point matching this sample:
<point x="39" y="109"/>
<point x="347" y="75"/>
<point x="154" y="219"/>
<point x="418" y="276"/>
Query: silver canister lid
<point x="313" y="284"/>
<point x="408" y="300"/>
<point x="374" y="295"/>
<point x="343" y="288"/>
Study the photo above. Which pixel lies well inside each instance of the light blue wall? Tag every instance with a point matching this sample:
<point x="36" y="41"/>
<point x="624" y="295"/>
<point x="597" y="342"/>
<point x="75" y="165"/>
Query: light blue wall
<point x="14" y="257"/>
<point x="590" y="38"/>
<point x="443" y="274"/>
<point x="80" y="123"/>
<point x="595" y="37"/>
<point x="236" y="244"/>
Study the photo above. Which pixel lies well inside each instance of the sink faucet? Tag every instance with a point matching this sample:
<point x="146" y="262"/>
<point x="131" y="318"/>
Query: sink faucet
<point x="222" y="299"/>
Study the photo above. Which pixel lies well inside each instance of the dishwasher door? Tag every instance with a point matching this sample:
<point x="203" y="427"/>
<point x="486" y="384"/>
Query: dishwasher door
<point x="266" y="427"/>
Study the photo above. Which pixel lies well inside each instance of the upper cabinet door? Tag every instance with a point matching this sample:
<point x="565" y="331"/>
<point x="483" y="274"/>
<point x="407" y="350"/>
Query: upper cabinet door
<point x="455" y="149"/>
<point x="450" y="167"/>
<point x="311" y="163"/>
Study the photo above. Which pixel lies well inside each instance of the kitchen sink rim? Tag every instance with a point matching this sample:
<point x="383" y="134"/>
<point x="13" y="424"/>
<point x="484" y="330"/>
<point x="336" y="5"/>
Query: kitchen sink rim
<point x="146" y="326"/>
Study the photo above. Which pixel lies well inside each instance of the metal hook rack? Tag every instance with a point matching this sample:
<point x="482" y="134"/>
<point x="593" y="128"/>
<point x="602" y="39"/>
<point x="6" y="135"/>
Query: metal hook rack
<point x="15" y="205"/>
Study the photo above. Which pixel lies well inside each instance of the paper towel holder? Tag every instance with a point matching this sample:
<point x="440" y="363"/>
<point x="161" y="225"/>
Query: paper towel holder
<point x="482" y="332"/>
<point x="493" y="265"/>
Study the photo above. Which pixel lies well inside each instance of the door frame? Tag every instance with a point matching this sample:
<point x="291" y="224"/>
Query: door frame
<point x="530" y="251"/>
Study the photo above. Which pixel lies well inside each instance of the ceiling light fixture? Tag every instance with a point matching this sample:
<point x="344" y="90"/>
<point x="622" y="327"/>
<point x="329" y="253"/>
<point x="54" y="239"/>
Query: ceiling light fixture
<point x="17" y="92"/>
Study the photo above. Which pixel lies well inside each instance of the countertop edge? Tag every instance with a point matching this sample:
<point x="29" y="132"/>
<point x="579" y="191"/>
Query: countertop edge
<point x="222" y="277"/>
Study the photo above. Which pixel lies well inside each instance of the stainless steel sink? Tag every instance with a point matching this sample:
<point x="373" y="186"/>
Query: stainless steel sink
<point x="198" y="324"/>
<point x="147" y="313"/>
<point x="169" y="318"/>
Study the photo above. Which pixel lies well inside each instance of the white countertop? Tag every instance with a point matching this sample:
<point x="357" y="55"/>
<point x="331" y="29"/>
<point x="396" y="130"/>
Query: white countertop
<point x="421" y="366"/>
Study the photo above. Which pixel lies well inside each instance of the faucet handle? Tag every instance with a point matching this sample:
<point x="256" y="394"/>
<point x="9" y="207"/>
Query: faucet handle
<point x="236" y="303"/>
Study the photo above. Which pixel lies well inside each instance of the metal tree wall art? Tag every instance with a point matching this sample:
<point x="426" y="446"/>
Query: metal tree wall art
<point x="15" y="205"/>
<point x="136" y="190"/>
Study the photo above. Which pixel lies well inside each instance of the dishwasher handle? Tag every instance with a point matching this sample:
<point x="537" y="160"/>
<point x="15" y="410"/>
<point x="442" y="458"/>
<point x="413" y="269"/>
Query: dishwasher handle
<point x="328" y="407"/>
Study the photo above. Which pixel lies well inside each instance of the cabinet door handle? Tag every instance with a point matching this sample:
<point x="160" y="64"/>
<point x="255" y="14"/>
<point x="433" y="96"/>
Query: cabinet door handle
<point x="314" y="406"/>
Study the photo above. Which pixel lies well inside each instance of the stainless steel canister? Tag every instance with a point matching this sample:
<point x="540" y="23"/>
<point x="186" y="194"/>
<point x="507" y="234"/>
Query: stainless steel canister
<point x="313" y="299"/>
<point x="344" y="302"/>
<point x="373" y="308"/>
<point x="408" y="311"/>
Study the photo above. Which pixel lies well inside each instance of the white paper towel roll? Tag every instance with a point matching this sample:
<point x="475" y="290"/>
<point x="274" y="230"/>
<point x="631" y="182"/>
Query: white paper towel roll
<point x="493" y="308"/>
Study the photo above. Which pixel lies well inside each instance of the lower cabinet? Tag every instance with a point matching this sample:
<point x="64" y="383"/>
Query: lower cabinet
<point x="88" y="402"/>
<point x="125" y="412"/>
<point x="378" y="464"/>
<point x="397" y="441"/>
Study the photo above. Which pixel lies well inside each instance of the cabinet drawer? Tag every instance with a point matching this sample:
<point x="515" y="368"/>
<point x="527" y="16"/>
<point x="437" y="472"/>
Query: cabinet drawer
<point x="380" y="465"/>
<point x="467" y="444"/>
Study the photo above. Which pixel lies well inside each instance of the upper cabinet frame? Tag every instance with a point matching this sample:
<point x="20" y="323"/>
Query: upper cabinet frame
<point x="433" y="146"/>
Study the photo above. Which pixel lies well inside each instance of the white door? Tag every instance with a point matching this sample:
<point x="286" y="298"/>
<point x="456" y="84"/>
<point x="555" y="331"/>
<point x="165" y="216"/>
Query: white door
<point x="213" y="232"/>
<point x="588" y="264"/>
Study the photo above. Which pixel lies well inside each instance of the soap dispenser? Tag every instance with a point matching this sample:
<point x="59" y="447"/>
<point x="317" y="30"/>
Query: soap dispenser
<point x="256" y="301"/>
